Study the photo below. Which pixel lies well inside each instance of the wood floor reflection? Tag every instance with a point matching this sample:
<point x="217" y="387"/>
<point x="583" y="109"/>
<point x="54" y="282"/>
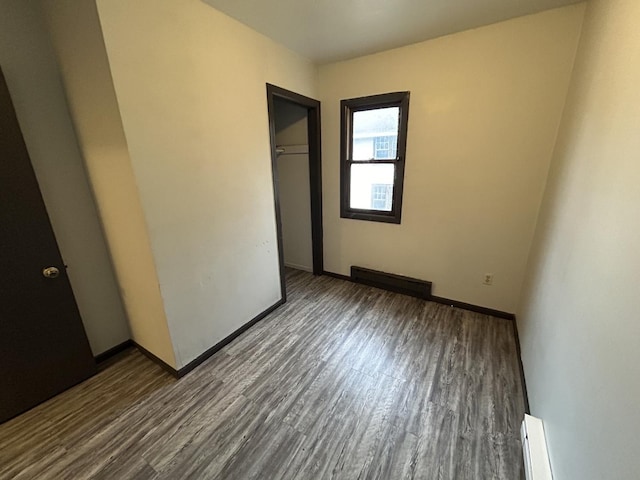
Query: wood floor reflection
<point x="343" y="381"/>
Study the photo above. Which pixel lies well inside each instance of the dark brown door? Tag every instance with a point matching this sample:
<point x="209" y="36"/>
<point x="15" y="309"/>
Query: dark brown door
<point x="43" y="346"/>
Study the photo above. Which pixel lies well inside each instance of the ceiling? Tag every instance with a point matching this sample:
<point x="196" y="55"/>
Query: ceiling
<point x="330" y="30"/>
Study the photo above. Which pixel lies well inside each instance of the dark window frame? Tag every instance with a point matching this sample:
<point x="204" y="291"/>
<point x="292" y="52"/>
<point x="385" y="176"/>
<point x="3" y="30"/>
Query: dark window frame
<point x="347" y="109"/>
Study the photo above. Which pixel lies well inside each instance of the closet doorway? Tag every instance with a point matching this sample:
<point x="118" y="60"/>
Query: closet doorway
<point x="294" y="125"/>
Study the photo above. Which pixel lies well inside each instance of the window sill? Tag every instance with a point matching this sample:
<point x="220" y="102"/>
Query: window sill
<point x="370" y="216"/>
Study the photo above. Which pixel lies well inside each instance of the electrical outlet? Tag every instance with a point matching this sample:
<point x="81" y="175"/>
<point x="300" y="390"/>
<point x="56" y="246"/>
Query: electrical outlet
<point x="488" y="279"/>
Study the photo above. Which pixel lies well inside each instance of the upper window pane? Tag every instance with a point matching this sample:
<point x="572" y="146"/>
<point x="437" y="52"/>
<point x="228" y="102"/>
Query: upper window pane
<point x="375" y="134"/>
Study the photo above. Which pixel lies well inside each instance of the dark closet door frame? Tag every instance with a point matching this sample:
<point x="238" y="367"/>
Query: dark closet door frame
<point x="315" y="174"/>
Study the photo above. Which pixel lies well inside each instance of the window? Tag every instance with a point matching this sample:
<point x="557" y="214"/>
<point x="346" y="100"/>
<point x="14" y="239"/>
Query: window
<point x="373" y="144"/>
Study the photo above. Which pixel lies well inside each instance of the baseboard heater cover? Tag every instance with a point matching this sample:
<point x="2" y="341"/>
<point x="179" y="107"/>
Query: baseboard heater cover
<point x="534" y="449"/>
<point x="389" y="281"/>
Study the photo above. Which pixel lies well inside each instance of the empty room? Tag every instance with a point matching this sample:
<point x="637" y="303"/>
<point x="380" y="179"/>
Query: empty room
<point x="311" y="239"/>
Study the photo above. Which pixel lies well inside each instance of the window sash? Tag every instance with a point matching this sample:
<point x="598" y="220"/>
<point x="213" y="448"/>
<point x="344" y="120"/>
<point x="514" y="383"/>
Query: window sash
<point x="378" y="179"/>
<point x="376" y="162"/>
<point x="387" y="213"/>
<point x="375" y="106"/>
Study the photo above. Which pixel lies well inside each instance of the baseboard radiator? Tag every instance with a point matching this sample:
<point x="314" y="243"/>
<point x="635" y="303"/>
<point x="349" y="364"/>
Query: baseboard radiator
<point x="534" y="449"/>
<point x="389" y="281"/>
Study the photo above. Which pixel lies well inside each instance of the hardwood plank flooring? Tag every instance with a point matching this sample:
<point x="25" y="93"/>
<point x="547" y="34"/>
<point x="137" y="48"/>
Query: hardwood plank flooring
<point x="344" y="381"/>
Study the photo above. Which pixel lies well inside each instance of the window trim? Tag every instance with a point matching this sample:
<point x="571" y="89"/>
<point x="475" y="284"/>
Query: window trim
<point x="347" y="108"/>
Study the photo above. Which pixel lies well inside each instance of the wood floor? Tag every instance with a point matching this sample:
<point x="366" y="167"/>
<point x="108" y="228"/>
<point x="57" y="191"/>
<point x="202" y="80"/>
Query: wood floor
<point x="342" y="382"/>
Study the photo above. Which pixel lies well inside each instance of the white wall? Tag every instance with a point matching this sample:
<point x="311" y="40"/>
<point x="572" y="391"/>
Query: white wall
<point x="28" y="62"/>
<point x="75" y="30"/>
<point x="191" y="87"/>
<point x="484" y="112"/>
<point x="578" y="321"/>
<point x="291" y="122"/>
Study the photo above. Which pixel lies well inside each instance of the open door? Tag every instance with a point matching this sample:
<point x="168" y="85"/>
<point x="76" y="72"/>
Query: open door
<point x="43" y="346"/>
<point x="312" y="108"/>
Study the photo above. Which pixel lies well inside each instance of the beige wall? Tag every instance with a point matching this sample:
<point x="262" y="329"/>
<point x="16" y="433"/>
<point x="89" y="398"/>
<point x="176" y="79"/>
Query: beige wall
<point x="293" y="185"/>
<point x="77" y="38"/>
<point x="485" y="107"/>
<point x="579" y="317"/>
<point x="30" y="69"/>
<point x="190" y="84"/>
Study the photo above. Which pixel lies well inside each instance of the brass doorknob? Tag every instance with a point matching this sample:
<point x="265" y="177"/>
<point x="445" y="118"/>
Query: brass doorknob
<point x="50" y="272"/>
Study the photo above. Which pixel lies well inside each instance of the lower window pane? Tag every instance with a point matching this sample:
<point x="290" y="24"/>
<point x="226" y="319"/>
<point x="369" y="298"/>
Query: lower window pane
<point x="372" y="186"/>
